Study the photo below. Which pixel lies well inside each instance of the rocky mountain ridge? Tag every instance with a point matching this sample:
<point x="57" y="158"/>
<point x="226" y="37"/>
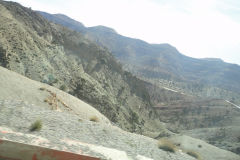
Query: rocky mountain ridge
<point x="205" y="77"/>
<point x="70" y="60"/>
<point x="187" y="93"/>
<point x="50" y="53"/>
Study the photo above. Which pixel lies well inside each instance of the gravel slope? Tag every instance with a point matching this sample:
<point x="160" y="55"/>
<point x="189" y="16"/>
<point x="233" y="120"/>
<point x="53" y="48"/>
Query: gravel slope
<point x="68" y="132"/>
<point x="206" y="150"/>
<point x="17" y="87"/>
<point x="68" y="128"/>
<point x="22" y="102"/>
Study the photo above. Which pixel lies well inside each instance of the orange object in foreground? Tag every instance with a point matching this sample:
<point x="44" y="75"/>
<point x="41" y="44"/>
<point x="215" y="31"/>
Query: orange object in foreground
<point x="18" y="151"/>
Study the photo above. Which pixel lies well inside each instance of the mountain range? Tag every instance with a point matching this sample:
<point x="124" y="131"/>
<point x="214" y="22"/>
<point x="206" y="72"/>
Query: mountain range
<point x="53" y="54"/>
<point x="207" y="77"/>
<point x="148" y="89"/>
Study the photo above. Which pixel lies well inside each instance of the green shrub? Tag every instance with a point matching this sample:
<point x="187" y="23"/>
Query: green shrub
<point x="166" y="145"/>
<point x="50" y="80"/>
<point x="194" y="154"/>
<point x="36" y="126"/>
<point x="42" y="88"/>
<point x="63" y="87"/>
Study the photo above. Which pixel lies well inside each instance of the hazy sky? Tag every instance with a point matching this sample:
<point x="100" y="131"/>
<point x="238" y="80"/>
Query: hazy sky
<point x="197" y="28"/>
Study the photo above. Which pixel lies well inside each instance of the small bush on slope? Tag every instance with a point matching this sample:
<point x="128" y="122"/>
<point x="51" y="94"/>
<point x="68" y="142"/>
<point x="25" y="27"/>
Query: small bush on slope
<point x="194" y="154"/>
<point x="166" y="145"/>
<point x="36" y="126"/>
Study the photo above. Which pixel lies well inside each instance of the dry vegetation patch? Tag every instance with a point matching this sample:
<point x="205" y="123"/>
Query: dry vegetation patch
<point x="194" y="154"/>
<point x="167" y="145"/>
<point x="94" y="119"/>
<point x="53" y="100"/>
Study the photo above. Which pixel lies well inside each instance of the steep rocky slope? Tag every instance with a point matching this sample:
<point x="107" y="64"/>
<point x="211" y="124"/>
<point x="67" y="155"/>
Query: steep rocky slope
<point x="69" y="128"/>
<point x="65" y="132"/>
<point x="17" y="88"/>
<point x="158" y="62"/>
<point x="215" y="121"/>
<point x="66" y="59"/>
<point x="189" y="94"/>
<point x="50" y="53"/>
<point x="163" y="61"/>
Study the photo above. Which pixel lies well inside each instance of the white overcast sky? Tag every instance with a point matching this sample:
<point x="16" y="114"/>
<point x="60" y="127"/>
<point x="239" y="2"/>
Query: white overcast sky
<point x="197" y="28"/>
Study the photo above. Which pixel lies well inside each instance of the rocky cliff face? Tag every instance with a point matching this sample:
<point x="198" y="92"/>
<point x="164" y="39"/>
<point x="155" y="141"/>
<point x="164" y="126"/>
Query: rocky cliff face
<point x="50" y="53"/>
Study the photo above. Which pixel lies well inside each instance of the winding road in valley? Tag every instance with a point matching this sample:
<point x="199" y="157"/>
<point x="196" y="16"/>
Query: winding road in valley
<point x="232" y="104"/>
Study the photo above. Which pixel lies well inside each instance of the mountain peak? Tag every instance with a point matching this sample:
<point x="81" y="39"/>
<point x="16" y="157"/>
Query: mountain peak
<point x="102" y="28"/>
<point x="63" y="20"/>
<point x="213" y="59"/>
